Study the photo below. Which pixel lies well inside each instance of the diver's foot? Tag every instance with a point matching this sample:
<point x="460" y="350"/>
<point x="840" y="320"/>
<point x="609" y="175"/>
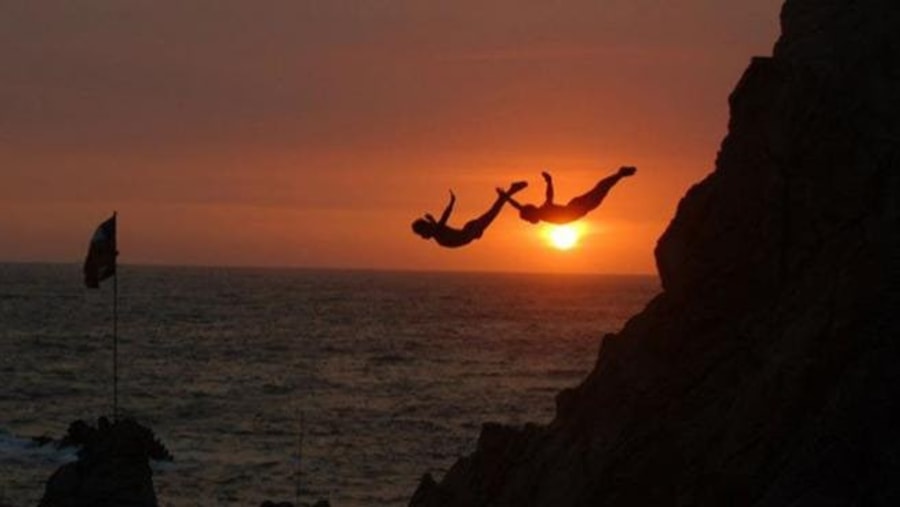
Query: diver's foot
<point x="516" y="186"/>
<point x="627" y="170"/>
<point x="545" y="175"/>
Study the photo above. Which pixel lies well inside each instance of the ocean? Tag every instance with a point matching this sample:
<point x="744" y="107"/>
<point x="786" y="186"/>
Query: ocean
<point x="373" y="378"/>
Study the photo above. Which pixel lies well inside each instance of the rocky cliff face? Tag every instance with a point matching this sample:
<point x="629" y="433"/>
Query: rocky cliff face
<point x="768" y="370"/>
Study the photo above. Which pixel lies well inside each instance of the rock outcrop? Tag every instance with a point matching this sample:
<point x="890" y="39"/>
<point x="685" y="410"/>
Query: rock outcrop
<point x="766" y="372"/>
<point x="112" y="469"/>
<point x="319" y="503"/>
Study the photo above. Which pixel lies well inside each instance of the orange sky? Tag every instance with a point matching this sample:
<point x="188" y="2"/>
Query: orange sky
<point x="311" y="133"/>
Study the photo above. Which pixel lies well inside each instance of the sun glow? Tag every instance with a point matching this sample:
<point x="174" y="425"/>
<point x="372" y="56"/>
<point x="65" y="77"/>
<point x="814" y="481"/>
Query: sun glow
<point x="563" y="237"/>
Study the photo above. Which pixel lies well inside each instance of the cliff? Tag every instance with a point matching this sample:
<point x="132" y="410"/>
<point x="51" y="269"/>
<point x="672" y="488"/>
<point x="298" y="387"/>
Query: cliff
<point x="766" y="372"/>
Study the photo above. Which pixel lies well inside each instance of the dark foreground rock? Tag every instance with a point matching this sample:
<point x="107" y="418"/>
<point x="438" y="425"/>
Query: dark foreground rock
<point x="319" y="503"/>
<point x="112" y="470"/>
<point x="766" y="372"/>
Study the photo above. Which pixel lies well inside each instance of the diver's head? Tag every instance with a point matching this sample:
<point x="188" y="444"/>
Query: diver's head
<point x="423" y="228"/>
<point x="529" y="212"/>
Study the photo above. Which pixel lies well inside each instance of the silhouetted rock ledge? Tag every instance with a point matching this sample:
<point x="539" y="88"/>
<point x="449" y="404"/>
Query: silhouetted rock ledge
<point x="767" y="372"/>
<point x="112" y="470"/>
<point x="319" y="503"/>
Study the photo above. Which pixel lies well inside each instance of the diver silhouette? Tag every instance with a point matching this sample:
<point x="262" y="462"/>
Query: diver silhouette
<point x="576" y="208"/>
<point x="444" y="235"/>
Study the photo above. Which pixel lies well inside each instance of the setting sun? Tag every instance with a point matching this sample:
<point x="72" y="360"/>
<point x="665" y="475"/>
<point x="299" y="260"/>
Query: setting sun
<point x="563" y="237"/>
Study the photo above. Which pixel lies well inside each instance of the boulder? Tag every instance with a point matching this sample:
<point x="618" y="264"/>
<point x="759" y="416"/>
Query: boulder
<point x="112" y="469"/>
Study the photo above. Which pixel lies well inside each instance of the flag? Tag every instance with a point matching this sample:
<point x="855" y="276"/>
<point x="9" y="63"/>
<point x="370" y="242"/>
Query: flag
<point x="100" y="263"/>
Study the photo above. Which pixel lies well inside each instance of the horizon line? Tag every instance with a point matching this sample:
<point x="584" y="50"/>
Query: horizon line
<point x="342" y="268"/>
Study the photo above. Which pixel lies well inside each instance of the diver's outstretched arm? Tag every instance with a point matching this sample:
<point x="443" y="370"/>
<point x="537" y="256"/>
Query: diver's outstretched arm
<point x="449" y="209"/>
<point x="548" y="199"/>
<point x="512" y="202"/>
<point x="507" y="195"/>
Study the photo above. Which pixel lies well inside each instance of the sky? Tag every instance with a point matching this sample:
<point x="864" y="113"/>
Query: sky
<point x="311" y="133"/>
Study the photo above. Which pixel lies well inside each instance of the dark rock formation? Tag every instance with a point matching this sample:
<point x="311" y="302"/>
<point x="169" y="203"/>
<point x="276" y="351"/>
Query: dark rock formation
<point x="112" y="469"/>
<point x="319" y="503"/>
<point x="766" y="372"/>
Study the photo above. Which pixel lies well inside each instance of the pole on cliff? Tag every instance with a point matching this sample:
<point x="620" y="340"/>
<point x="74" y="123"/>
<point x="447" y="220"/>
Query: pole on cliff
<point x="298" y="473"/>
<point x="99" y="265"/>
<point x="115" y="344"/>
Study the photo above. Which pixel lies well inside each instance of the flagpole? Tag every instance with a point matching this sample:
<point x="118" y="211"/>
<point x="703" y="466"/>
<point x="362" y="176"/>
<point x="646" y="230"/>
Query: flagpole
<point x="115" y="335"/>
<point x="299" y="471"/>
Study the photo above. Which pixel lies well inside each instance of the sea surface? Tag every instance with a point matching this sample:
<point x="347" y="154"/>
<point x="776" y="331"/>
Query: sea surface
<point x="371" y="378"/>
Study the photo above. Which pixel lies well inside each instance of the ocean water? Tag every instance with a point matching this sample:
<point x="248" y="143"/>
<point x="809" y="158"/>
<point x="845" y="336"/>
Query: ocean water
<point x="385" y="375"/>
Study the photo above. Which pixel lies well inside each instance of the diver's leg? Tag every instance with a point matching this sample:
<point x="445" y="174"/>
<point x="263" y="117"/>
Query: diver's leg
<point x="590" y="200"/>
<point x="513" y="189"/>
<point x="475" y="228"/>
